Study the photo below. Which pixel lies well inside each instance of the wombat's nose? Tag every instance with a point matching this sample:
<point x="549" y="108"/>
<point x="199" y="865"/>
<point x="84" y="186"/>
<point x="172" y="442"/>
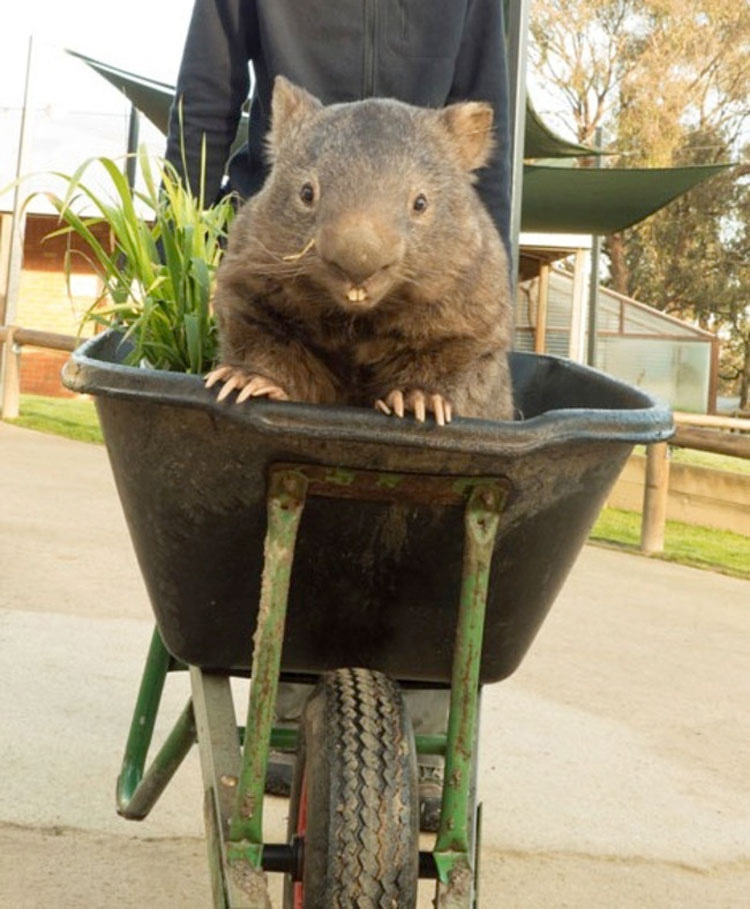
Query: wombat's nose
<point x="360" y="247"/>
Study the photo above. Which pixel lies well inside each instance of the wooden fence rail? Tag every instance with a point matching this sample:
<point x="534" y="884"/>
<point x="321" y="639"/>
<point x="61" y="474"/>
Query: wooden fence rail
<point x="720" y="435"/>
<point x="704" y="432"/>
<point x="716" y="441"/>
<point x="13" y="338"/>
<point x="712" y="421"/>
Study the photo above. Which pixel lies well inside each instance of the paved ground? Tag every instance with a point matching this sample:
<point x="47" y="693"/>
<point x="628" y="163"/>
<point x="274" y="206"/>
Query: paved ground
<point x="616" y="762"/>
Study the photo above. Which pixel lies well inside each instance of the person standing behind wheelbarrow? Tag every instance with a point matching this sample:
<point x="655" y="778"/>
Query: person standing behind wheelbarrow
<point x="428" y="53"/>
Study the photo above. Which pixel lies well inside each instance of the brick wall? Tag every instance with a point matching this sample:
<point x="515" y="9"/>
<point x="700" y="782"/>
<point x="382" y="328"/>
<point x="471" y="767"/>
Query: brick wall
<point x="40" y="372"/>
<point x="48" y="301"/>
<point x="44" y="304"/>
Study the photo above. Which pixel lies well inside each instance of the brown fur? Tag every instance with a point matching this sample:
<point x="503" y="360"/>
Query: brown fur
<point x="436" y="315"/>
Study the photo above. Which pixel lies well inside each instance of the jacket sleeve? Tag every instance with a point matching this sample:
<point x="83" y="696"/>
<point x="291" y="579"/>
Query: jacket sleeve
<point x="481" y="74"/>
<point x="212" y="86"/>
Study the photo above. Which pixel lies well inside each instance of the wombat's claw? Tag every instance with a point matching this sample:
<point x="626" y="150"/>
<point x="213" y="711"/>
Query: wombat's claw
<point x="260" y="386"/>
<point x="418" y="402"/>
<point x="251" y="384"/>
<point x="215" y="375"/>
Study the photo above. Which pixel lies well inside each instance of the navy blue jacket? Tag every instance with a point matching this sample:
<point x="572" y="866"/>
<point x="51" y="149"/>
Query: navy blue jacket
<point x="424" y="52"/>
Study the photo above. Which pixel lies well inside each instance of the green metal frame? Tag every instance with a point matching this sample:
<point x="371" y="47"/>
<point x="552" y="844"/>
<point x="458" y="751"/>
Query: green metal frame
<point x="235" y="764"/>
<point x="453" y="852"/>
<point x="286" y="500"/>
<point x="136" y="793"/>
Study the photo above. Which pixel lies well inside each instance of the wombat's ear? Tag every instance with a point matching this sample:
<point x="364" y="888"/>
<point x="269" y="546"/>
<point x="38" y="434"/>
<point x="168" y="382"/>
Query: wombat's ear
<point x="290" y="106"/>
<point x="470" y="126"/>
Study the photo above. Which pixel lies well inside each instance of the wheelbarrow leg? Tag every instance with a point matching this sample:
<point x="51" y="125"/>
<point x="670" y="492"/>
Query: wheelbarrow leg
<point x="453" y="848"/>
<point x="234" y="781"/>
<point x="137" y="792"/>
<point x="221" y="762"/>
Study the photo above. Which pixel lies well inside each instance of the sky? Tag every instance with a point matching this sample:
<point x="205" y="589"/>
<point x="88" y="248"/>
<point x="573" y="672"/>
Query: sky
<point x="75" y="113"/>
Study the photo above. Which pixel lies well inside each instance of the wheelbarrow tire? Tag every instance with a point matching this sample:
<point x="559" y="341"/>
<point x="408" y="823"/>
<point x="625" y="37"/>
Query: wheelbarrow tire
<point x="355" y="796"/>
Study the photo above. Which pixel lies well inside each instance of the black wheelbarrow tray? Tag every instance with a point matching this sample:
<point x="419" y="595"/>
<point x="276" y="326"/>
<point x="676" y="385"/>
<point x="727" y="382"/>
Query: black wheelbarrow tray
<point x="368" y="553"/>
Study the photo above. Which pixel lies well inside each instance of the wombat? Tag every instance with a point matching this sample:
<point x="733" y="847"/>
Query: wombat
<point x="366" y="271"/>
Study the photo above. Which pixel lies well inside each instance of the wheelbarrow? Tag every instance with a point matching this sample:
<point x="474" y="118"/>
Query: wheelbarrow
<point x="362" y="553"/>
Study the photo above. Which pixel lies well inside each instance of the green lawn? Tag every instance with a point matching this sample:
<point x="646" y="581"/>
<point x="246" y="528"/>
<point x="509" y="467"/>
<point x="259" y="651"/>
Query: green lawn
<point x="74" y="418"/>
<point x="687" y="544"/>
<point x="705" y="459"/>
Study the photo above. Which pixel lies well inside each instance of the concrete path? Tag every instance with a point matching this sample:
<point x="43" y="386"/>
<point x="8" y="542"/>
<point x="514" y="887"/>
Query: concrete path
<point x="615" y="763"/>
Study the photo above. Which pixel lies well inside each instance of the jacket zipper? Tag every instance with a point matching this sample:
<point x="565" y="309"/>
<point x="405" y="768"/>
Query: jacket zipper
<point x="370" y="46"/>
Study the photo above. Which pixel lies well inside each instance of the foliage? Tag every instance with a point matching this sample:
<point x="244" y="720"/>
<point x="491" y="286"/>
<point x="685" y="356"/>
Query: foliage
<point x="670" y="83"/>
<point x="158" y="270"/>
<point x="693" y="260"/>
<point x="645" y="70"/>
<point x="581" y="52"/>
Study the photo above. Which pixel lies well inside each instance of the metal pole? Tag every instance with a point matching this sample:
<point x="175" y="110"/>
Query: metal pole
<point x="9" y="367"/>
<point x="577" y="321"/>
<point x="540" y="329"/>
<point x="6" y="232"/>
<point x="131" y="160"/>
<point x="596" y="246"/>
<point x="18" y="218"/>
<point x="517" y="30"/>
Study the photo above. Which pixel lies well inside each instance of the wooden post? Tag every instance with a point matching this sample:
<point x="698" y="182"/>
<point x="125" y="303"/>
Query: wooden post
<point x="655" y="498"/>
<point x="540" y="329"/>
<point x="11" y="375"/>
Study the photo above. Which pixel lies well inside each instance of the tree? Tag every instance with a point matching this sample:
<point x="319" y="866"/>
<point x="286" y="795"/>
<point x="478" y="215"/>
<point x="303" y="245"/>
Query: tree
<point x="670" y="82"/>
<point x="581" y="53"/>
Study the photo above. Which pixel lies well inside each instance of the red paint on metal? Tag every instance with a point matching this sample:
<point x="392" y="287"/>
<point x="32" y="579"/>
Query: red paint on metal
<point x="299" y="886"/>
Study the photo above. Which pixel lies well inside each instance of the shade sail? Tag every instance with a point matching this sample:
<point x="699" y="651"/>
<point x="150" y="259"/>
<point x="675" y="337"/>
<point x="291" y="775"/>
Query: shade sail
<point x="601" y="201"/>
<point x="541" y="142"/>
<point x="153" y="100"/>
<point x="554" y="199"/>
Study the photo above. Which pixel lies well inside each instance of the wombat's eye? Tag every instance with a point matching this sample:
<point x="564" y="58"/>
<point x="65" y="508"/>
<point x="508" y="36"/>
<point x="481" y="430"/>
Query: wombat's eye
<point x="420" y="203"/>
<point x="307" y="194"/>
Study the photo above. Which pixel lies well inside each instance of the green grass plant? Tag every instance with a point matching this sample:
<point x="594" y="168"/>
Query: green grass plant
<point x="688" y="544"/>
<point x="158" y="270"/>
<point x="709" y="459"/>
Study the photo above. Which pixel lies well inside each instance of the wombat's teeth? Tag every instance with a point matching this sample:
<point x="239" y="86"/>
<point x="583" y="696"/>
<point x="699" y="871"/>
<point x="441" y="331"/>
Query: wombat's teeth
<point x="356" y="295"/>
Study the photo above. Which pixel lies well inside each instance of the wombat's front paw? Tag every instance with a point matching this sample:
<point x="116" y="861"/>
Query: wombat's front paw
<point x="251" y="384"/>
<point x="418" y="401"/>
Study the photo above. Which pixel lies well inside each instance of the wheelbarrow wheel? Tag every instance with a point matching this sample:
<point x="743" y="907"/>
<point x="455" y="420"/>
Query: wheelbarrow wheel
<point x="354" y="800"/>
